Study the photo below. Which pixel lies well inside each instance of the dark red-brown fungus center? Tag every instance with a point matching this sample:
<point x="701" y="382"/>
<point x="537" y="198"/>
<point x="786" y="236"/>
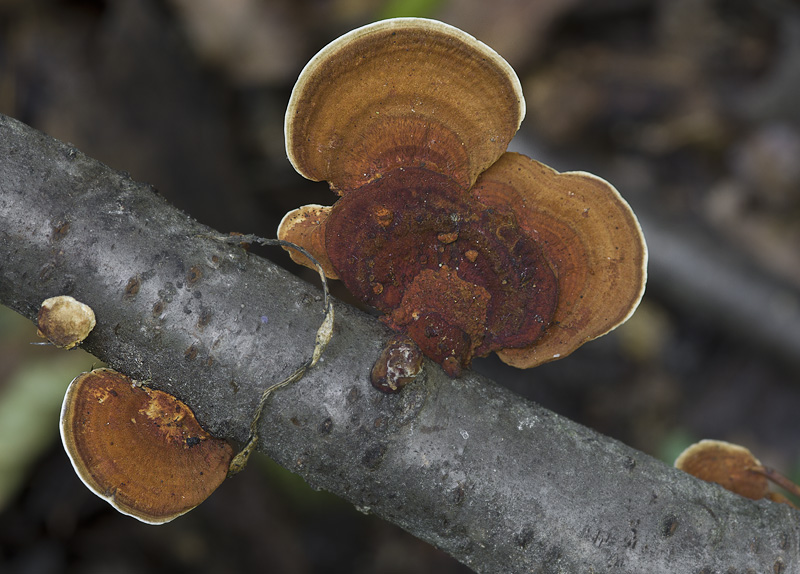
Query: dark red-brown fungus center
<point x="460" y="278"/>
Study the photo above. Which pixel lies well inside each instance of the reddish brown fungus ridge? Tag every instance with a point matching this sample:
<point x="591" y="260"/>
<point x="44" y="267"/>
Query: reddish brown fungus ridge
<point x="466" y="248"/>
<point x="402" y="244"/>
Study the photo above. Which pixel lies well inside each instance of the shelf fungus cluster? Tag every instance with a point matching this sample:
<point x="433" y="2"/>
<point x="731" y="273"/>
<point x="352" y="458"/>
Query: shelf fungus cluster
<point x="463" y="246"/>
<point x="140" y="449"/>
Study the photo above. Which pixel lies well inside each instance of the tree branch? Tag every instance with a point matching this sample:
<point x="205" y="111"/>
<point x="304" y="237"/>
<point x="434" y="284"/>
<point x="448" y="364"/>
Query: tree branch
<point x="498" y="482"/>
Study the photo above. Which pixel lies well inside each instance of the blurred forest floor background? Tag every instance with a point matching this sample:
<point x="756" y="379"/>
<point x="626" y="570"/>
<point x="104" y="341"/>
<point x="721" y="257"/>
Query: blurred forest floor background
<point x="690" y="107"/>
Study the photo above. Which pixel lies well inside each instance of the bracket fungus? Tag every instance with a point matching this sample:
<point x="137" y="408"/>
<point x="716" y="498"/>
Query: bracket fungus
<point x="142" y="450"/>
<point x="734" y="468"/>
<point x="467" y="248"/>
<point x="65" y="321"/>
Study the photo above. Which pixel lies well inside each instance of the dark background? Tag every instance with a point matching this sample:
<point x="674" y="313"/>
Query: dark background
<point x="690" y="107"/>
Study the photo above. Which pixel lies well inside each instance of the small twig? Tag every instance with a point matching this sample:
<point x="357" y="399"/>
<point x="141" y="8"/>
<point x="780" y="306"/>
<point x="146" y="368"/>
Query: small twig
<point x="324" y="334"/>
<point x="778" y="479"/>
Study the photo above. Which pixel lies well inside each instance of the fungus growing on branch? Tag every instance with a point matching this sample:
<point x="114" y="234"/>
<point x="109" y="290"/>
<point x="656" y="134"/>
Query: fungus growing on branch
<point x="465" y="247"/>
<point x="734" y="468"/>
<point x="398" y="364"/>
<point x="64" y="321"/>
<point x="141" y="450"/>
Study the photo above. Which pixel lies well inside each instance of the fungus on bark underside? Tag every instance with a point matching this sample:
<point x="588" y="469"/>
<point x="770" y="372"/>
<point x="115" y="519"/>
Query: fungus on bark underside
<point x="142" y="450"/>
<point x="465" y="247"/>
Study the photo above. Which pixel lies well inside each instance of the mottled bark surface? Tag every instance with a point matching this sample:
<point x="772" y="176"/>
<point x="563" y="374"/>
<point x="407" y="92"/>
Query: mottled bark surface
<point x="498" y="482"/>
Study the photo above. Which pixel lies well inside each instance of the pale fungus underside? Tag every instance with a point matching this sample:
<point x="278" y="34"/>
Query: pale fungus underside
<point x="64" y="321"/>
<point x="141" y="450"/>
<point x="466" y="248"/>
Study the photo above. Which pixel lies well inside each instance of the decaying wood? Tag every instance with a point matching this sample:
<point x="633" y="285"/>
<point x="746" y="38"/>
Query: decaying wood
<point x="498" y="482"/>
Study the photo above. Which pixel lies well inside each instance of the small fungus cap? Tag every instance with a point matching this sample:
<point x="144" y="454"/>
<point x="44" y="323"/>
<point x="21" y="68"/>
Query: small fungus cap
<point x="306" y="226"/>
<point x="399" y="363"/>
<point x="730" y="465"/>
<point x="64" y="321"/>
<point x="139" y="449"/>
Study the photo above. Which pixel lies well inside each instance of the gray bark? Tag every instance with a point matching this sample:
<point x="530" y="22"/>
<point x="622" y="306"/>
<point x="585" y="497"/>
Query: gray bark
<point x="498" y="482"/>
